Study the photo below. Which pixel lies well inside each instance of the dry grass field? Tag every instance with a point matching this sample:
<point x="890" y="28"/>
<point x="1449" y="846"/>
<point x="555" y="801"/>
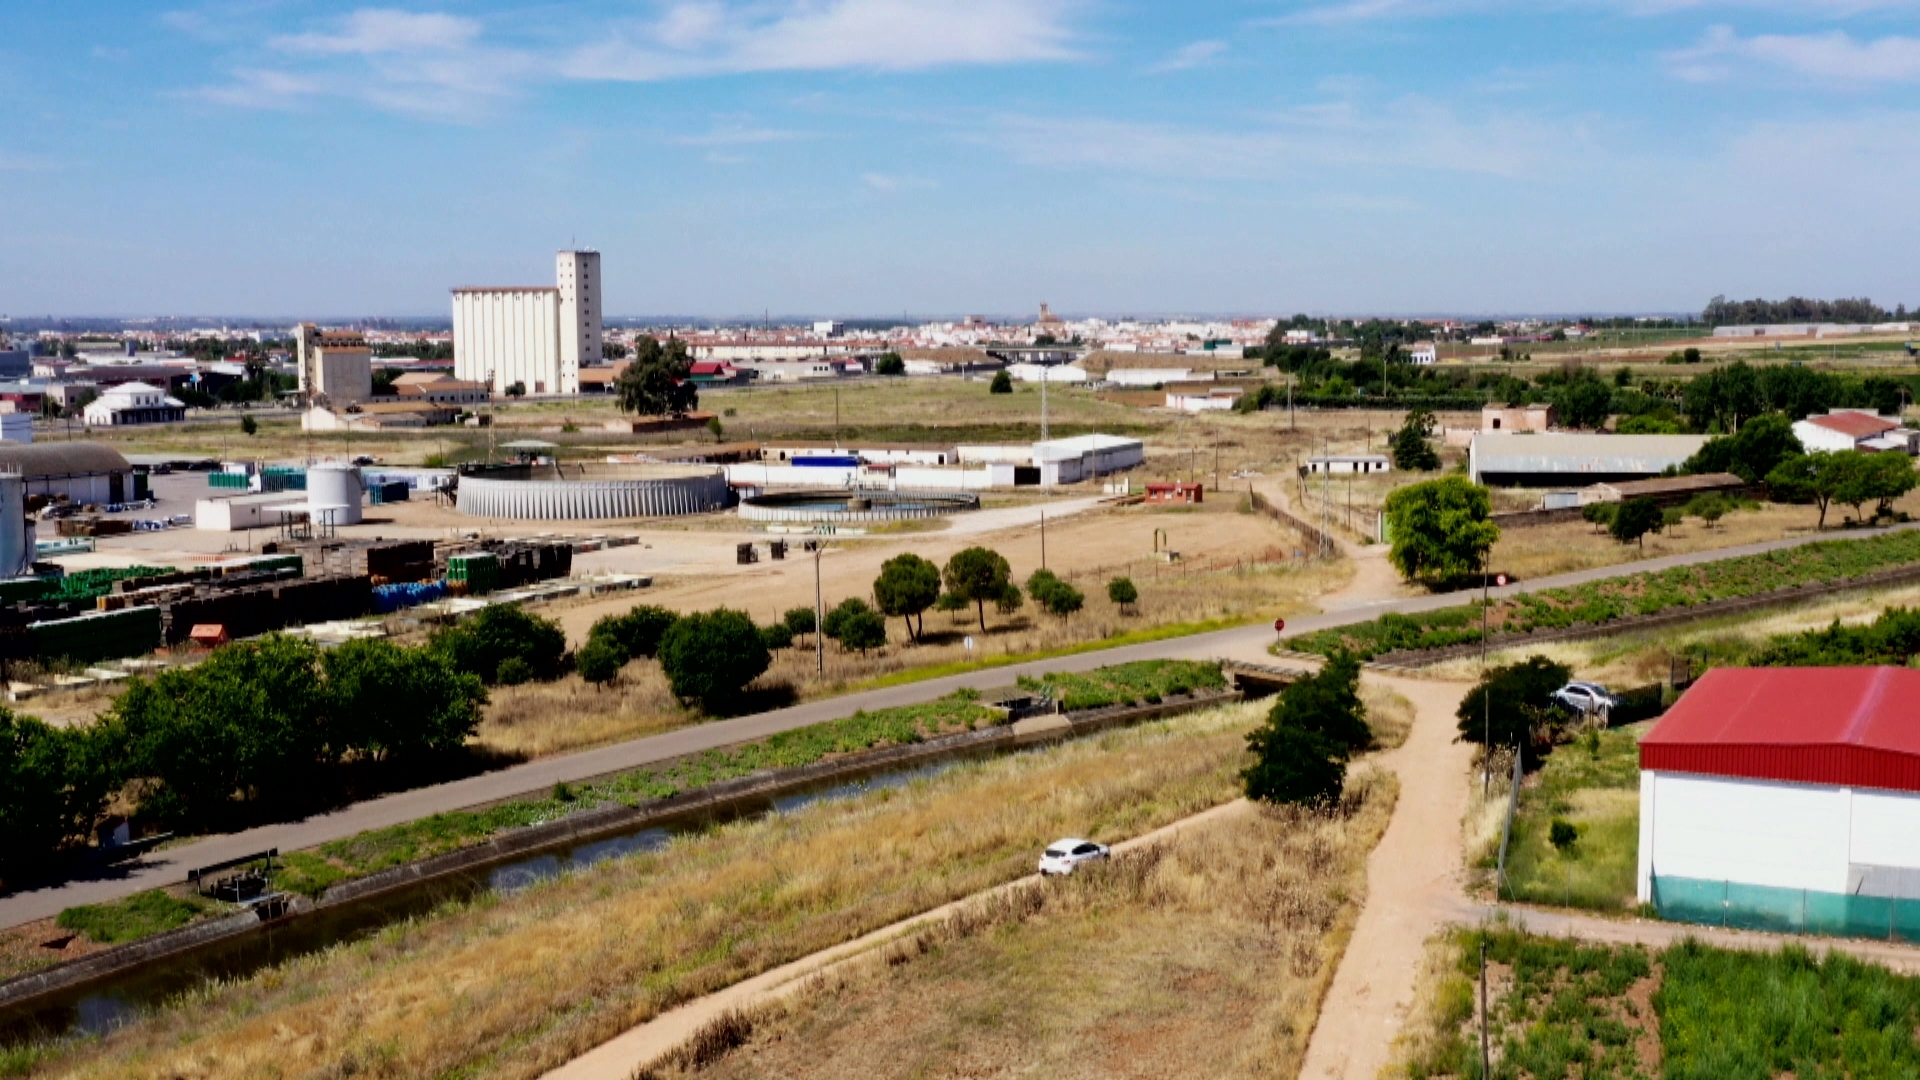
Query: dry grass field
<point x="1203" y="956"/>
<point x="513" y="984"/>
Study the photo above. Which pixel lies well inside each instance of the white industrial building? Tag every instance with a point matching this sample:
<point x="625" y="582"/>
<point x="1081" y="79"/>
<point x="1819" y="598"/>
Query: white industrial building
<point x="1213" y="399"/>
<point x="1052" y="373"/>
<point x="1342" y="464"/>
<point x="1148" y="378"/>
<point x="1786" y="798"/>
<point x="85" y="472"/>
<point x="534" y="335"/>
<point x="335" y="366"/>
<point x="1559" y="459"/>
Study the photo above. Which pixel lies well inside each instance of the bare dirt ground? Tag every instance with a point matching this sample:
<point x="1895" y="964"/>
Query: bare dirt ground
<point x="1414" y="881"/>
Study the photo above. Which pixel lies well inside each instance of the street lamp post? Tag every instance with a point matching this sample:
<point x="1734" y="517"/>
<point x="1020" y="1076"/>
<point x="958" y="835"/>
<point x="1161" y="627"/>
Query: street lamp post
<point x="819" y="612"/>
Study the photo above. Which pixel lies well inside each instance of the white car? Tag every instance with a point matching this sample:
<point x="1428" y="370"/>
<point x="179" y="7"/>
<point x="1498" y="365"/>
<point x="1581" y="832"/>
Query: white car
<point x="1063" y="856"/>
<point x="1586" y="698"/>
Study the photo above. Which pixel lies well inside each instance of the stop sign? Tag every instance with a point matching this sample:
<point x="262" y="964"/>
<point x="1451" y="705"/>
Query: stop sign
<point x="1279" y="625"/>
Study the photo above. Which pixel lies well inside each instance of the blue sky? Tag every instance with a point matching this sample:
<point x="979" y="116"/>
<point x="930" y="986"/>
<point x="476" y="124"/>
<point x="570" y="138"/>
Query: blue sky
<point x="868" y="157"/>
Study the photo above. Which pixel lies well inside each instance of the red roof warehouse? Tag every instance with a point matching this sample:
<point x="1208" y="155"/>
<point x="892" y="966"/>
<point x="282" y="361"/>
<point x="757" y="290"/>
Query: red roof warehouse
<point x="1851" y="727"/>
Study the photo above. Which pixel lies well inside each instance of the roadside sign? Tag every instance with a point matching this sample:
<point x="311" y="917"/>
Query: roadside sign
<point x="1500" y="579"/>
<point x="1279" y="626"/>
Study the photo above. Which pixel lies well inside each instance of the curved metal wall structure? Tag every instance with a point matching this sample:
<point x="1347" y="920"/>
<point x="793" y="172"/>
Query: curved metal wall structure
<point x="882" y="506"/>
<point x="573" y="500"/>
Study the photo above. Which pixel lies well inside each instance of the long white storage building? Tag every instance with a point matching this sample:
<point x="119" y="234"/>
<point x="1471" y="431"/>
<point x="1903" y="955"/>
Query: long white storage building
<point x="1786" y="799"/>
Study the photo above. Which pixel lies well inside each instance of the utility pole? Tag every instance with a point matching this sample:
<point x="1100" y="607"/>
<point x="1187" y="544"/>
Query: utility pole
<point x="836" y="418"/>
<point x="819" y="612"/>
<point x="1043" y="402"/>
<point x="1043" y="539"/>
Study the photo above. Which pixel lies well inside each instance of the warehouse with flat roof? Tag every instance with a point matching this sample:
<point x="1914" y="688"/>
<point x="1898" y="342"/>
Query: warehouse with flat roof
<point x="1554" y="459"/>
<point x="85" y="472"/>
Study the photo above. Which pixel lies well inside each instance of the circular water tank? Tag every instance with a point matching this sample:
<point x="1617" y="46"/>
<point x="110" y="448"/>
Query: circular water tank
<point x="338" y="488"/>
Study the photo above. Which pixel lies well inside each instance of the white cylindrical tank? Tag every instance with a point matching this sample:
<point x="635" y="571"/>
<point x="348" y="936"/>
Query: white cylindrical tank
<point x="337" y="490"/>
<point x="16" y="536"/>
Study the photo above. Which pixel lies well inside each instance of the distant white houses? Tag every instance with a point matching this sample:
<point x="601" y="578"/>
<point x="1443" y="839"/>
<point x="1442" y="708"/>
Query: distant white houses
<point x="1212" y="399"/>
<point x="1855" y="429"/>
<point x="1339" y="464"/>
<point x="134" y="403"/>
<point x="1151" y="377"/>
<point x="1424" y="352"/>
<point x="1052" y="373"/>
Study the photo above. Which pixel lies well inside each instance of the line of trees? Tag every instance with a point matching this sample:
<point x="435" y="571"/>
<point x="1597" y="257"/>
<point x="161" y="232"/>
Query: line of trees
<point x="1794" y="309"/>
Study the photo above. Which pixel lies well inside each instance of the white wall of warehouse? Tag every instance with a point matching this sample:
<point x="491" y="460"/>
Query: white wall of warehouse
<point x="1765" y="832"/>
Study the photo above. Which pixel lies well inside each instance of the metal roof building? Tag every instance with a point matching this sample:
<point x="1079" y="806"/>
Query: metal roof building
<point x="86" y="472"/>
<point x="1787" y="798"/>
<point x="1554" y="458"/>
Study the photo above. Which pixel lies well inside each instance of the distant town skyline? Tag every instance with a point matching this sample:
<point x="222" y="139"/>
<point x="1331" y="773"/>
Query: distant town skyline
<point x="859" y="157"/>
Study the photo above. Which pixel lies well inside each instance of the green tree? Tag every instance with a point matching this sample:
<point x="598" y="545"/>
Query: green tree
<point x="1010" y="600"/>
<point x="638" y="632"/>
<point x="1002" y="383"/>
<point x="1855" y="478"/>
<point x="656" y="381"/>
<point x="1599" y="514"/>
<point x="907" y="586"/>
<point x="248" y="722"/>
<point x="1441" y="529"/>
<point x="776" y="636"/>
<point x="53" y="787"/>
<point x="978" y="575"/>
<point x="248" y="426"/>
<point x="837" y="617"/>
<point x="599" y="661"/>
<point x="1806" y="478"/>
<point x="1121" y="591"/>
<point x="1411" y="450"/>
<point x="863" y="629"/>
<point x="800" y="620"/>
<point x="1635" y="519"/>
<point x="890" y="364"/>
<point x="484" y="643"/>
<point x="516" y="389"/>
<point x="1328" y="704"/>
<point x="1751" y="453"/>
<point x="385" y="700"/>
<point x="1300" y="754"/>
<point x="1584" y="402"/>
<point x="710" y="657"/>
<point x="1512" y="703"/>
<point x="1053" y="594"/>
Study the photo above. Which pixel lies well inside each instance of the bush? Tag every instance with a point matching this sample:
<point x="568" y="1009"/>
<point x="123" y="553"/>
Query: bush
<point x="1002" y="383"/>
<point x="482" y="645"/>
<point x="600" y="660"/>
<point x="777" y="636"/>
<point x="1441" y="529"/>
<point x="1121" y="591"/>
<point x="1056" y="596"/>
<point x="712" y="656"/>
<point x="836" y="622"/>
<point x="1561" y="834"/>
<point x="1009" y="600"/>
<point x="1301" y="752"/>
<point x="1600" y="513"/>
<point x="513" y="671"/>
<point x="890" y="364"/>
<point x="53" y="785"/>
<point x="862" y="630"/>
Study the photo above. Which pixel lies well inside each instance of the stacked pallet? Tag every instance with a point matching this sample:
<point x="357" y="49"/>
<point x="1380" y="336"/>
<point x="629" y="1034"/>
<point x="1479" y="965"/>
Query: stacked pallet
<point x="274" y="606"/>
<point x="396" y="561"/>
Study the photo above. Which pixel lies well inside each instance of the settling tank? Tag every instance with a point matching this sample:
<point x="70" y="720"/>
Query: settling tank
<point x="16" y="533"/>
<point x="334" y="491"/>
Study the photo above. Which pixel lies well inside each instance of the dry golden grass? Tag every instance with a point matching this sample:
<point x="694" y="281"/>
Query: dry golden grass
<point x="1206" y="955"/>
<point x="1642" y="658"/>
<point x="1389" y="714"/>
<point x="541" y="719"/>
<point x="511" y="985"/>
<point x="1576" y="545"/>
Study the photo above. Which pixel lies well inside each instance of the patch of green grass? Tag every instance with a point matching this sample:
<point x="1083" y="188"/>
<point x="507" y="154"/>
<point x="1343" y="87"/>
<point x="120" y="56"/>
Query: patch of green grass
<point x="1127" y="684"/>
<point x="1593" y="783"/>
<point x="306" y="873"/>
<point x="131" y="918"/>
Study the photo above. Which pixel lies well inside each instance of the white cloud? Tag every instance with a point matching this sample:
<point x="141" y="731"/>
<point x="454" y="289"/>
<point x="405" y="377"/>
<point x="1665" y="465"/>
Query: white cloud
<point x="742" y="135"/>
<point x="1412" y="133"/>
<point x="1191" y="56"/>
<point x="707" y="38"/>
<point x="1836" y="56"/>
<point x="888" y="183"/>
<point x="371" y="31"/>
<point x="1352" y="11"/>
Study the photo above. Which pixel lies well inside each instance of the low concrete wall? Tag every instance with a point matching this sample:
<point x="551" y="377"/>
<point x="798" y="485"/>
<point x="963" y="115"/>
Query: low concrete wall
<point x="124" y="957"/>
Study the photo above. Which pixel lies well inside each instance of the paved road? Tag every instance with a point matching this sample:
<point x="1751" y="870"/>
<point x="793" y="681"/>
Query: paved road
<point x="1245" y="643"/>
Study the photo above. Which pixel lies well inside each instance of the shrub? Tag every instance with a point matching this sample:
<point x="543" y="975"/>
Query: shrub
<point x="1056" y="596"/>
<point x="800" y="620"/>
<point x="863" y="630"/>
<point x="711" y="657"/>
<point x="890" y="364"/>
<point x="1441" y="529"/>
<point x="1599" y="513"/>
<point x="1513" y="703"/>
<point x="1293" y="765"/>
<point x="1002" y="383"/>
<point x="777" y="636"/>
<point x="1009" y="600"/>
<point x="1561" y="834"/>
<point x="513" y="671"/>
<point x="1121" y="591"/>
<point x="836" y="622"/>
